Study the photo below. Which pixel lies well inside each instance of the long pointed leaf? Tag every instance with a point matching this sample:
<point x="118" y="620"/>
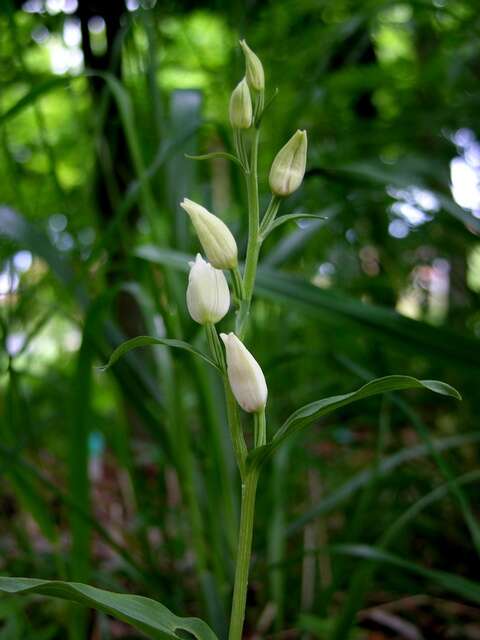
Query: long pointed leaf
<point x="449" y="581"/>
<point x="290" y="217"/>
<point x="331" y="501"/>
<point x="30" y="98"/>
<point x="142" y="341"/>
<point x="216" y="154"/>
<point x="310" y="412"/>
<point x="144" y="614"/>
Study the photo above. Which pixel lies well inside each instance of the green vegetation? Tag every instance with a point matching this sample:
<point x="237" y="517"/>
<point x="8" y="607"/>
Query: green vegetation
<point x="366" y="524"/>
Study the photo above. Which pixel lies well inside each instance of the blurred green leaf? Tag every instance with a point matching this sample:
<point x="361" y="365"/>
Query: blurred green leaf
<point x="361" y="479"/>
<point x="299" y="293"/>
<point x="450" y="582"/>
<point x="32" y="96"/>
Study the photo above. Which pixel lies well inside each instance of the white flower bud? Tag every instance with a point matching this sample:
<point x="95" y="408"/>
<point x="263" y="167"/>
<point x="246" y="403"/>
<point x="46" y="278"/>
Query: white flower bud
<point x="288" y="168"/>
<point x="214" y="235"/>
<point x="254" y="68"/>
<point x="208" y="297"/>
<point x="245" y="375"/>
<point x="240" y="108"/>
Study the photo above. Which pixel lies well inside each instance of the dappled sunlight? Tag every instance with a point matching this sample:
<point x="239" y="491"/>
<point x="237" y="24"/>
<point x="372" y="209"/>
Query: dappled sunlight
<point x="465" y="171"/>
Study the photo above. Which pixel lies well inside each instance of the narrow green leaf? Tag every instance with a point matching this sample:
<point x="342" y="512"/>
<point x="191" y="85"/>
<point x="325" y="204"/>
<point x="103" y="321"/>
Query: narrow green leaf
<point x="290" y="217"/>
<point x="333" y="500"/>
<point x="33" y="502"/>
<point x="32" y="96"/>
<point x="438" y="493"/>
<point x="293" y="244"/>
<point x="144" y="614"/>
<point x="268" y="104"/>
<point x="215" y="154"/>
<point x="142" y="341"/>
<point x="449" y="581"/>
<point x="310" y="412"/>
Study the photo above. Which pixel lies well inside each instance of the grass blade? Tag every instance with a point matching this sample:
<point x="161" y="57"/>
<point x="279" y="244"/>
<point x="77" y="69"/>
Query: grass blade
<point x="387" y="465"/>
<point x="297" y="292"/>
<point x="455" y="584"/>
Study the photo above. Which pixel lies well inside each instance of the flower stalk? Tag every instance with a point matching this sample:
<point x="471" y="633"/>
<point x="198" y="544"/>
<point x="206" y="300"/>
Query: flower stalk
<point x="269" y="216"/>
<point x="233" y="417"/>
<point x="244" y="552"/>
<point x="253" y="248"/>
<point x="237" y="283"/>
<point x="244" y="382"/>
<point x="260" y="428"/>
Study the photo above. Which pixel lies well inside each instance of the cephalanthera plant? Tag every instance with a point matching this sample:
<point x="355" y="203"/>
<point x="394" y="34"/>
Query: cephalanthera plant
<point x="208" y="301"/>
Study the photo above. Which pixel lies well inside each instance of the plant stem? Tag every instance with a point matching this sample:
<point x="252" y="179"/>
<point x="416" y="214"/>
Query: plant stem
<point x="240" y="148"/>
<point x="236" y="433"/>
<point x="249" y="478"/>
<point x="249" y="490"/>
<point x="269" y="216"/>
<point x="260" y="428"/>
<point x="253" y="247"/>
<point x="237" y="283"/>
<point x="242" y="306"/>
<point x="215" y="346"/>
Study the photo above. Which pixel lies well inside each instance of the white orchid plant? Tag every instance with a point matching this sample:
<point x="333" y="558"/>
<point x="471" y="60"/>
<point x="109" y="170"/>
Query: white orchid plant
<point x="209" y="302"/>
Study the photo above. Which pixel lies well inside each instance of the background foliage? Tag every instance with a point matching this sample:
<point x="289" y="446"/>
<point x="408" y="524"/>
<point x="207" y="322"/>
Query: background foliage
<point x="367" y="524"/>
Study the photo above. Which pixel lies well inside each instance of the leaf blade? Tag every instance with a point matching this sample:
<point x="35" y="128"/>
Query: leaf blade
<point x="215" y="155"/>
<point x="144" y="614"/>
<point x="289" y="217"/>
<point x="143" y="341"/>
<point x="449" y="581"/>
<point x="310" y="412"/>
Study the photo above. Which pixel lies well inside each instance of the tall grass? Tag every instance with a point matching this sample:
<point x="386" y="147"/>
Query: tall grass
<point x="160" y="416"/>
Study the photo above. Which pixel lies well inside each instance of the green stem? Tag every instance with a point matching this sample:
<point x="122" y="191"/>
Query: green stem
<point x="260" y="428"/>
<point x="240" y="148"/>
<point x="269" y="216"/>
<point x="214" y="422"/>
<point x="259" y="102"/>
<point x="253" y="248"/>
<point x="237" y="283"/>
<point x="249" y="490"/>
<point x="233" y="417"/>
<point x="236" y="433"/>
<point x="215" y="346"/>
<point x="242" y="305"/>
